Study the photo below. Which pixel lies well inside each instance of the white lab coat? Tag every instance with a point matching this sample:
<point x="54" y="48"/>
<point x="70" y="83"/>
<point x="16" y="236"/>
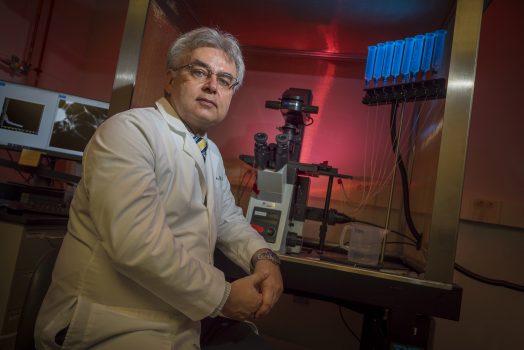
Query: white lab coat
<point x="136" y="268"/>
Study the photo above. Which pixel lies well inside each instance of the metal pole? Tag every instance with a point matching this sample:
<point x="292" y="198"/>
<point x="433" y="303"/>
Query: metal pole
<point x="129" y="57"/>
<point x="455" y="131"/>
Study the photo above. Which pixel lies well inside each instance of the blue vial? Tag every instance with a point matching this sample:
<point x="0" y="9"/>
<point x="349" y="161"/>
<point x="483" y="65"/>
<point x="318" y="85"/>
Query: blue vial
<point x="416" y="59"/>
<point x="372" y="53"/>
<point x="406" y="58"/>
<point x="379" y="62"/>
<point x="397" y="59"/>
<point x="388" y="60"/>
<point x="429" y="42"/>
<point x="438" y="50"/>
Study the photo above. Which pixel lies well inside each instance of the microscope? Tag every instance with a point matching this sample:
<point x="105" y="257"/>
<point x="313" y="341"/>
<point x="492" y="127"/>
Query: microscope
<point x="278" y="207"/>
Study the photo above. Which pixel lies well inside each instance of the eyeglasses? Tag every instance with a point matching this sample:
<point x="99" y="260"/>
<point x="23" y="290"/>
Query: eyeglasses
<point x="201" y="74"/>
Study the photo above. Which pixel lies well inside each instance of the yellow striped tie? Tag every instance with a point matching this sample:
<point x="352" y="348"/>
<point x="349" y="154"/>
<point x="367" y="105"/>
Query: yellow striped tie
<point x="202" y="145"/>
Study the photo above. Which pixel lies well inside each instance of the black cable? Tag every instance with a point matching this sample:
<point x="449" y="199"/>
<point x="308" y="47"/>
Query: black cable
<point x="341" y="183"/>
<point x="310" y="119"/>
<point x="244" y="186"/>
<point x="241" y="185"/>
<point x="395" y="232"/>
<point x="487" y="280"/>
<point x="406" y="243"/>
<point x="403" y="176"/>
<point x="347" y="325"/>
<point x="379" y="330"/>
<point x="409" y="219"/>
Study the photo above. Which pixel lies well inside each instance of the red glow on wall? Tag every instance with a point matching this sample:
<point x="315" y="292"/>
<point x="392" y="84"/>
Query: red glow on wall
<point x="320" y="92"/>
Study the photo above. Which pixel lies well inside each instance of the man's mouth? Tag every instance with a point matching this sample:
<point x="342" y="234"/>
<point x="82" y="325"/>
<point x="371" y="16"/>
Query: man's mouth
<point x="206" y="101"/>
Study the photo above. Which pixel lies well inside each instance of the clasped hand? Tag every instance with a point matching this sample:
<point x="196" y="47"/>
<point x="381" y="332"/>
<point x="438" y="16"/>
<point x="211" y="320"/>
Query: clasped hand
<point x="255" y="295"/>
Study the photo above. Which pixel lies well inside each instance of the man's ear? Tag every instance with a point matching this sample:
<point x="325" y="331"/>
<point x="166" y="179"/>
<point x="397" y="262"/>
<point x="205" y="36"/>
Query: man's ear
<point x="168" y="84"/>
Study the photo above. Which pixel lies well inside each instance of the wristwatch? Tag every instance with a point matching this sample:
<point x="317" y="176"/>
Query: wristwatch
<point x="266" y="254"/>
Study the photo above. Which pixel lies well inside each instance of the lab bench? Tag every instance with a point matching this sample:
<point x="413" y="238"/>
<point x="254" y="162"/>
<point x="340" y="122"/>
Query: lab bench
<point x="393" y="298"/>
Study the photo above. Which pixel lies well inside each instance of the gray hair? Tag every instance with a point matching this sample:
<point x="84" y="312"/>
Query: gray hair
<point x="206" y="37"/>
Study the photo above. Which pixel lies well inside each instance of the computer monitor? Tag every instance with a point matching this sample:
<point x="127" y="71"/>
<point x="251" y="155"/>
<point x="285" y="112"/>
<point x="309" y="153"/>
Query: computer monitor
<point x="75" y="121"/>
<point x="55" y="123"/>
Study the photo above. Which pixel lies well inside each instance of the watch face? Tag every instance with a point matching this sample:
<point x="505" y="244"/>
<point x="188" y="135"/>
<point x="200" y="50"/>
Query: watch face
<point x="265" y="255"/>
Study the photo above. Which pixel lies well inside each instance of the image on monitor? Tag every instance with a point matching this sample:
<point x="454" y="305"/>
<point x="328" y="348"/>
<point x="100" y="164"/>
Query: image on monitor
<point x="22" y="116"/>
<point x="75" y="123"/>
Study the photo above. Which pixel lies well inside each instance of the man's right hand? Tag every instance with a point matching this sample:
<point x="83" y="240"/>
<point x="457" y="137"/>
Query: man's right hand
<point x="245" y="297"/>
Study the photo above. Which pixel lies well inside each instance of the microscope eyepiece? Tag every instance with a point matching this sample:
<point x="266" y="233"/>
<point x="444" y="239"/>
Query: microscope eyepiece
<point x="260" y="137"/>
<point x="261" y="150"/>
<point x="282" y="151"/>
<point x="281" y="139"/>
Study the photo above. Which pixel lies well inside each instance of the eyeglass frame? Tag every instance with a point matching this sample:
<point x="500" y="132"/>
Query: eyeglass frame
<point x="210" y="72"/>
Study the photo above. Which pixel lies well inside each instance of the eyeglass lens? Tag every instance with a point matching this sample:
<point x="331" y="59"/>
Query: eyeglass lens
<point x="201" y="73"/>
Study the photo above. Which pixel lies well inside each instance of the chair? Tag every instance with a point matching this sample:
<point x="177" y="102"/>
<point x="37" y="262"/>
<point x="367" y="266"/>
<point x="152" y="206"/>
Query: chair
<point x="38" y="287"/>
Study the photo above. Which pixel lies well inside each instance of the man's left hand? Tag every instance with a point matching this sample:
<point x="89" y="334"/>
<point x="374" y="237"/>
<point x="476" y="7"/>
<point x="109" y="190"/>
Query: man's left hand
<point x="271" y="288"/>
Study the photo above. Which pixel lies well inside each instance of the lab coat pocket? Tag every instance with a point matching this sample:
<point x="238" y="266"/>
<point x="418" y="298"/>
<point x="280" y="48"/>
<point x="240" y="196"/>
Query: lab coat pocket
<point x="109" y="327"/>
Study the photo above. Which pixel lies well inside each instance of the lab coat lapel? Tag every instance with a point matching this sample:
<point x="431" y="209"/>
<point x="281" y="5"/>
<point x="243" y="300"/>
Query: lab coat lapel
<point x="191" y="148"/>
<point x="210" y="191"/>
<point x="211" y="166"/>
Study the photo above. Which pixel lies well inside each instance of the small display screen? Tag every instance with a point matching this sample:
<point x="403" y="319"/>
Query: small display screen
<point x="21" y="116"/>
<point x="75" y="123"/>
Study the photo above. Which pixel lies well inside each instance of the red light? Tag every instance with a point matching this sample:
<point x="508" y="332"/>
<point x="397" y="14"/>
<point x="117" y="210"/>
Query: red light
<point x="257" y="228"/>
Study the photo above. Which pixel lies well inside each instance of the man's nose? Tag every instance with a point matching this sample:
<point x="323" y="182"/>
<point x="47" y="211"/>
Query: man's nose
<point x="211" y="83"/>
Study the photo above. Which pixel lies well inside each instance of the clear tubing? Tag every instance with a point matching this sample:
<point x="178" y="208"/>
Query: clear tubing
<point x="438" y="50"/>
<point x="379" y="62"/>
<point x="388" y="59"/>
<point x="406" y="59"/>
<point x="397" y="59"/>
<point x="417" y="55"/>
<point x="372" y="53"/>
<point x="429" y="41"/>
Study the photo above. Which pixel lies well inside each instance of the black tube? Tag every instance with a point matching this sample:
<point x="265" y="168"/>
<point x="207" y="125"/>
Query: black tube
<point x="403" y="176"/>
<point x="310" y="109"/>
<point x="273" y="104"/>
<point x="38" y="69"/>
<point x="487" y="280"/>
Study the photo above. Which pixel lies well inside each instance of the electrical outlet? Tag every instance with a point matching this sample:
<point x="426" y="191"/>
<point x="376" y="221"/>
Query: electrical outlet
<point x="485" y="210"/>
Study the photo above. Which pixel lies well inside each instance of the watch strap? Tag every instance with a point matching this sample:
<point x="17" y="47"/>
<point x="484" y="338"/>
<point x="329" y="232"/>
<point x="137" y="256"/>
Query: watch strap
<point x="266" y="254"/>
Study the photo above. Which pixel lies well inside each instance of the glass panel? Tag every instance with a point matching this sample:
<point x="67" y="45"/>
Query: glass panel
<point x="66" y="46"/>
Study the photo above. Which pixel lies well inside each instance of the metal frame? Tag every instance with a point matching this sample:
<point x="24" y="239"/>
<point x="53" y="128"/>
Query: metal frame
<point x="129" y="57"/>
<point x="455" y="130"/>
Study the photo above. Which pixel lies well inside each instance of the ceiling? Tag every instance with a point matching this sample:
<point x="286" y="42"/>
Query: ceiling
<point x="304" y="36"/>
<point x="337" y="29"/>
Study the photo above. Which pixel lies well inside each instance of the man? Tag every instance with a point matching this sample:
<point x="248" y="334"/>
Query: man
<point x="135" y="270"/>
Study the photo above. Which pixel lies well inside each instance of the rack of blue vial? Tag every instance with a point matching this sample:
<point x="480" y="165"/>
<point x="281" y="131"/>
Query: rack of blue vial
<point x="405" y="59"/>
<point x="423" y="90"/>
